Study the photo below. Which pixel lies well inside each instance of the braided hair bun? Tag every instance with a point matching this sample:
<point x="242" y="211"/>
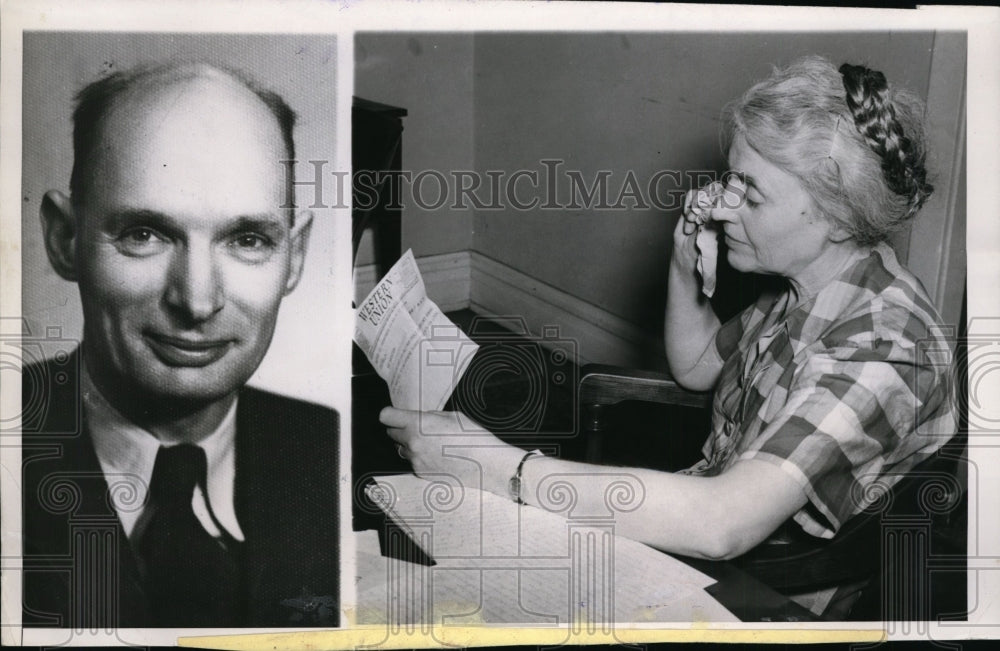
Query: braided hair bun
<point x="874" y="114"/>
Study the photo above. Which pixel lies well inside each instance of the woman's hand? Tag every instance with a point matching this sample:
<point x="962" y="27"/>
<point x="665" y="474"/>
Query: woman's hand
<point x="698" y="204"/>
<point x="690" y="324"/>
<point x="452" y="443"/>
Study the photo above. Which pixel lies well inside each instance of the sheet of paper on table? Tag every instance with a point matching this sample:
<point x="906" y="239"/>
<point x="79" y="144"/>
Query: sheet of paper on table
<point x="409" y="341"/>
<point x="500" y="563"/>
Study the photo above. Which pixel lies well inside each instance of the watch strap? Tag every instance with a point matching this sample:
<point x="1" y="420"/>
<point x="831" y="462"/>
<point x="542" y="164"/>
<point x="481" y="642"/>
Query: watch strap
<point x="515" y="484"/>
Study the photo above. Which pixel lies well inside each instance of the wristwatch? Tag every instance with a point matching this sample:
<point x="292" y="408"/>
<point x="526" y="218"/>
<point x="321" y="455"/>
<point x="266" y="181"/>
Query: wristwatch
<point x="514" y="485"/>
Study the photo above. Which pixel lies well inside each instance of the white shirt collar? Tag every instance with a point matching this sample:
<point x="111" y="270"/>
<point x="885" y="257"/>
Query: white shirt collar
<point x="127" y="454"/>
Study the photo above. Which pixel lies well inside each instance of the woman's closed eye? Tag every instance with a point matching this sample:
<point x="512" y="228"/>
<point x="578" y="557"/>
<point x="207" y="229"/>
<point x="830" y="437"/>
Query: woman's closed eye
<point x="742" y="189"/>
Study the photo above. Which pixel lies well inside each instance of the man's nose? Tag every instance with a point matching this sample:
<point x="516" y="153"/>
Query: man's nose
<point x="195" y="290"/>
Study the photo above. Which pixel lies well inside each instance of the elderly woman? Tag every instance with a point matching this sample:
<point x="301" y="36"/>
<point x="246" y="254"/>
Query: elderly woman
<point x="820" y="387"/>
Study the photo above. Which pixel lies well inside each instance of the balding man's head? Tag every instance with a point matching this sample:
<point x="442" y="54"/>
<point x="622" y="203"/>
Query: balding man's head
<point x="97" y="101"/>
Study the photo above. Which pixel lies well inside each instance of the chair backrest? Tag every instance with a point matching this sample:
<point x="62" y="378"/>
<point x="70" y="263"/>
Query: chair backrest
<point x="923" y="499"/>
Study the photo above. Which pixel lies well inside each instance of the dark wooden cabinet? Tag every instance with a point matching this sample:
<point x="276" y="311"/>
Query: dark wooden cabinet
<point x="377" y="145"/>
<point x="376" y="151"/>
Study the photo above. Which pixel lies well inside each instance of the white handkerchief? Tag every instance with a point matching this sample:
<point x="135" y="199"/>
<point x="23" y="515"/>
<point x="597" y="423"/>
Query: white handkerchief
<point x="707" y="239"/>
<point x="707" y="243"/>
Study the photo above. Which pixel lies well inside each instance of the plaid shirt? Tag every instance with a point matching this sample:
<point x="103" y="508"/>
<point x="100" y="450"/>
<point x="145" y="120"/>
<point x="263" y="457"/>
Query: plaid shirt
<point x="851" y="386"/>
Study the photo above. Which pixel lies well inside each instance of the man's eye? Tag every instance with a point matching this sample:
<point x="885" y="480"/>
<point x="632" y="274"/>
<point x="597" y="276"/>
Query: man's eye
<point x="141" y="241"/>
<point x="253" y="241"/>
<point x="252" y="247"/>
<point x="139" y="235"/>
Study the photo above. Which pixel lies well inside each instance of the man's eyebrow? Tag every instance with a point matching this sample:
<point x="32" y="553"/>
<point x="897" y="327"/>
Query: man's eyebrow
<point x="153" y="218"/>
<point x="265" y="222"/>
<point x="262" y="219"/>
<point x="129" y="217"/>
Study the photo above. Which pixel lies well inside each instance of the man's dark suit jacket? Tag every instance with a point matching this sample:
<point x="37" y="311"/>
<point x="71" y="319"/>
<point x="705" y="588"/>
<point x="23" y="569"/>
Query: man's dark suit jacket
<point x="79" y="569"/>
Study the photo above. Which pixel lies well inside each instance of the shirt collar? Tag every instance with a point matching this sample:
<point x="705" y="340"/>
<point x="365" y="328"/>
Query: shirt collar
<point x="127" y="453"/>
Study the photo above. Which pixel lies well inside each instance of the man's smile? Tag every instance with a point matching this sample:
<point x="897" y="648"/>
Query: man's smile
<point x="187" y="351"/>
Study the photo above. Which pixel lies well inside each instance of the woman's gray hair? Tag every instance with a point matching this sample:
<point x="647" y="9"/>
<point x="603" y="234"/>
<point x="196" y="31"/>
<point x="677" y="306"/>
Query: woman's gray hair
<point x="856" y="144"/>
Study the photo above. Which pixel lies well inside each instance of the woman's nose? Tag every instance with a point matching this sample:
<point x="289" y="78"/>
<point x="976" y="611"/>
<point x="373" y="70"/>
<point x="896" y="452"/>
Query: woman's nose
<point x="728" y="204"/>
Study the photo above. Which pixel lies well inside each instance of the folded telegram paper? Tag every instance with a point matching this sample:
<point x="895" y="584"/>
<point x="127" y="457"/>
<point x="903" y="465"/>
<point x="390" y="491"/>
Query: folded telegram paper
<point x="409" y="341"/>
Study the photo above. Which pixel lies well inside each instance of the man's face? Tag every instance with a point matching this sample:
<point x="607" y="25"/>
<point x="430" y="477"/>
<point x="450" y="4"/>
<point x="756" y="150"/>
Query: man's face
<point x="183" y="252"/>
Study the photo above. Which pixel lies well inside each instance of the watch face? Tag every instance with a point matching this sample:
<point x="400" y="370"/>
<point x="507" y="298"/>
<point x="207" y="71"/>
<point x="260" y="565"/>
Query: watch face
<point x="514" y="489"/>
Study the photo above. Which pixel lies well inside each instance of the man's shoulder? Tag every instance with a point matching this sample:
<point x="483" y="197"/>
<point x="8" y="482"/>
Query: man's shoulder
<point x="261" y="400"/>
<point x="265" y="410"/>
<point x="61" y="370"/>
<point x="50" y="396"/>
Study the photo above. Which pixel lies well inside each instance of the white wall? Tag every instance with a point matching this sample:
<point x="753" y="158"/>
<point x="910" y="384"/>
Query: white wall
<point x="431" y="76"/>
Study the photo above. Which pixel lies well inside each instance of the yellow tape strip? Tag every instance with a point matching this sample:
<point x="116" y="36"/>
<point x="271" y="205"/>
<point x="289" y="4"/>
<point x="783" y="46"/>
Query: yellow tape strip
<point x="379" y="637"/>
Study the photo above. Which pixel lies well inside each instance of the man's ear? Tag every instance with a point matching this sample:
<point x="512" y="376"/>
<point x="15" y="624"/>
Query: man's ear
<point x="59" y="233"/>
<point x="300" y="243"/>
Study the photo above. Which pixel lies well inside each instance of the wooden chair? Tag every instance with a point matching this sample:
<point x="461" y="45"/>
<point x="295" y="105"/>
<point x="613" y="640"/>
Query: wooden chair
<point x="916" y="529"/>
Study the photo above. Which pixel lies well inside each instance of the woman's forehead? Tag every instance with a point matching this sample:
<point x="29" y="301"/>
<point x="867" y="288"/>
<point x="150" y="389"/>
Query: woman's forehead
<point x="747" y="162"/>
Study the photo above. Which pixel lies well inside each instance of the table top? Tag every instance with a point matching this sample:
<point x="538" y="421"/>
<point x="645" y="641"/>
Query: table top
<point x="500" y="569"/>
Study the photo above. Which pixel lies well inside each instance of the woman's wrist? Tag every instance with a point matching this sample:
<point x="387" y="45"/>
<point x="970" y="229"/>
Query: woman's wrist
<point x="498" y="465"/>
<point x="683" y="277"/>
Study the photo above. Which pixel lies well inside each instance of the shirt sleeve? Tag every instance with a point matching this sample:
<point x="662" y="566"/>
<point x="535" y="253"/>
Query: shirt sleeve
<point x="849" y="415"/>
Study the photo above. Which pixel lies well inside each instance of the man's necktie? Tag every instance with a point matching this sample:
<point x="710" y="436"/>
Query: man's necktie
<point x="191" y="578"/>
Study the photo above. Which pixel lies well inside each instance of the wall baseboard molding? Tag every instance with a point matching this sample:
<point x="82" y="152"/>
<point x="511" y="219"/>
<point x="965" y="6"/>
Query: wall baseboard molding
<point x="601" y="337"/>
<point x="469" y="279"/>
